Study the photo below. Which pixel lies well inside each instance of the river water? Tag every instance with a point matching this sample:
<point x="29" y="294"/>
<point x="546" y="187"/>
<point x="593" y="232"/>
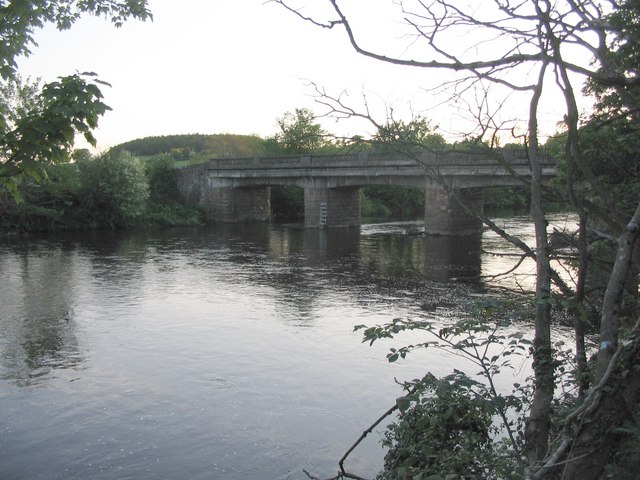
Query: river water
<point x="224" y="352"/>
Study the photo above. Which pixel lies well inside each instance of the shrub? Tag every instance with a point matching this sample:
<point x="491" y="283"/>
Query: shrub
<point x="114" y="189"/>
<point x="445" y="433"/>
<point x="163" y="179"/>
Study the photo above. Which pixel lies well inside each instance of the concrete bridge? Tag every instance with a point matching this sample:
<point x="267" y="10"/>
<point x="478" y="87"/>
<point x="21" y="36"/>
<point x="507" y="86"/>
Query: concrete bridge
<point x="238" y="189"/>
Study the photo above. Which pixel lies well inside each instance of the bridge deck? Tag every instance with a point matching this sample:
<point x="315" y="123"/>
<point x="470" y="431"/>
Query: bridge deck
<point x="425" y="169"/>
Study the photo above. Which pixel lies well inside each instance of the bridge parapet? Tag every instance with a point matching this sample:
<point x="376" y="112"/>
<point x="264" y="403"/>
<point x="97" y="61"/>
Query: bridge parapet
<point x="509" y="156"/>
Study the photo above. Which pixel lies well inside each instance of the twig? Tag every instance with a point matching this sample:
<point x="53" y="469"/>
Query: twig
<point x="343" y="473"/>
<point x="337" y="477"/>
<point x="370" y="429"/>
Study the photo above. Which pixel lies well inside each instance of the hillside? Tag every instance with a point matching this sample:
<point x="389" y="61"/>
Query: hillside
<point x="222" y="145"/>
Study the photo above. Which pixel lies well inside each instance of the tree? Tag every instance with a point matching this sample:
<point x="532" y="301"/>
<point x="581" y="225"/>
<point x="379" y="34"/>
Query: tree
<point x="41" y="131"/>
<point x="527" y="48"/>
<point x="416" y="134"/>
<point x="45" y="133"/>
<point x="222" y="145"/>
<point x="299" y="133"/>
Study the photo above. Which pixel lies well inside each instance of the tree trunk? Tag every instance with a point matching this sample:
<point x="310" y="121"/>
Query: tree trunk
<point x="613" y="294"/>
<point x="582" y="367"/>
<point x="599" y="425"/>
<point x="539" y="421"/>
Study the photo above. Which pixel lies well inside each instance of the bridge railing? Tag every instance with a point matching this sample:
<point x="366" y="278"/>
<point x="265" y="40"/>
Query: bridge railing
<point x="440" y="158"/>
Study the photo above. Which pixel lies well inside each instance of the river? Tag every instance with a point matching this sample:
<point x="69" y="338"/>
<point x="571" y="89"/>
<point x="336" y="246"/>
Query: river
<point x="224" y="352"/>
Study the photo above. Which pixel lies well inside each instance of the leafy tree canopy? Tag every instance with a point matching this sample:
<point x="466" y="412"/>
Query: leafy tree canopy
<point x="38" y="126"/>
<point x="417" y="133"/>
<point x="299" y="133"/>
<point x="20" y="18"/>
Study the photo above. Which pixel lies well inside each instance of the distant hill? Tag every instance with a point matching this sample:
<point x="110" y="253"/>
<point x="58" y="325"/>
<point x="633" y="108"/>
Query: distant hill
<point x="222" y="145"/>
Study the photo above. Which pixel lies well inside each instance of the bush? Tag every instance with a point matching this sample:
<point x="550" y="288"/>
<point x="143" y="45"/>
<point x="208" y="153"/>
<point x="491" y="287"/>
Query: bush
<point x="50" y="205"/>
<point x="163" y="179"/>
<point x="445" y="433"/>
<point x="114" y="189"/>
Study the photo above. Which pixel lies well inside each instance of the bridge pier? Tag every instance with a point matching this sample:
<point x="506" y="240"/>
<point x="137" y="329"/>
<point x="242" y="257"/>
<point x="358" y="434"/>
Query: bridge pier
<point x="443" y="214"/>
<point x="331" y="207"/>
<point x="237" y="205"/>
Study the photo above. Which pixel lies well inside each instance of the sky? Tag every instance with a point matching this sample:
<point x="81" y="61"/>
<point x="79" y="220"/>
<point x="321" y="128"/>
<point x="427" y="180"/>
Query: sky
<point x="235" y="66"/>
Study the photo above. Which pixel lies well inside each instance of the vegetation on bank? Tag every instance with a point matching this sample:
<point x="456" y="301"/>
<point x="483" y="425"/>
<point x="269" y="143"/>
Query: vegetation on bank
<point x="134" y="184"/>
<point x="112" y="190"/>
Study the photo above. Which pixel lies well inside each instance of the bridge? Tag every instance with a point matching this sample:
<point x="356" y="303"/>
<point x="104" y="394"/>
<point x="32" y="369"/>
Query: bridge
<point x="238" y="189"/>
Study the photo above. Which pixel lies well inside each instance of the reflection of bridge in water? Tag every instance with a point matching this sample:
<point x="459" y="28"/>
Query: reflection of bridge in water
<point x="236" y="190"/>
<point x="44" y="313"/>
<point x="361" y="264"/>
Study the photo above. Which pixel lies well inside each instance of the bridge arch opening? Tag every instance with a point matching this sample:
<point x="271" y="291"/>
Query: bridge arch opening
<point x="385" y="202"/>
<point x="287" y="204"/>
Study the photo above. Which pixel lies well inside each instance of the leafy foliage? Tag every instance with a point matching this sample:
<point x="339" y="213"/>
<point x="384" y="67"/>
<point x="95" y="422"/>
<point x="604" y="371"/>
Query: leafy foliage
<point x="393" y="201"/>
<point x="505" y="198"/>
<point x="615" y="86"/>
<point x="115" y="188"/>
<point x="44" y="134"/>
<point x="54" y="204"/>
<point x="20" y="19"/>
<point x="458" y="426"/>
<point x="287" y="203"/>
<point x="17" y="98"/>
<point x="418" y="133"/>
<point x="165" y="206"/>
<point x="162" y="177"/>
<point x="444" y="433"/>
<point x="299" y="133"/>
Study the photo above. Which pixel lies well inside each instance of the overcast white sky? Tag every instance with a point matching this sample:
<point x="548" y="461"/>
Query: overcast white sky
<point x="228" y="66"/>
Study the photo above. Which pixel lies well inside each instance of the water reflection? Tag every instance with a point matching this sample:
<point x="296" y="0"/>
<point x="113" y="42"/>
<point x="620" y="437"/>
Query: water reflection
<point x="453" y="258"/>
<point x="304" y="268"/>
<point x="227" y="350"/>
<point x="435" y="258"/>
<point x="38" y="331"/>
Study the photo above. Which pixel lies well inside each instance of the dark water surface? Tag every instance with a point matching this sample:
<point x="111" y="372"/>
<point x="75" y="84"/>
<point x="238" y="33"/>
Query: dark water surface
<point x="223" y="352"/>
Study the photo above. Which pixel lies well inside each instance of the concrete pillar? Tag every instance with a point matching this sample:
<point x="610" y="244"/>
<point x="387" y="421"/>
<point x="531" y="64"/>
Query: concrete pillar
<point x="237" y="205"/>
<point x="445" y="216"/>
<point x="331" y="207"/>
